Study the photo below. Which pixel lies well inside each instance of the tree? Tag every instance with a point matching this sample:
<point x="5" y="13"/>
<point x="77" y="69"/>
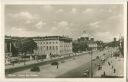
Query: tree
<point x="80" y="46"/>
<point x="14" y="50"/>
<point x="28" y="46"/>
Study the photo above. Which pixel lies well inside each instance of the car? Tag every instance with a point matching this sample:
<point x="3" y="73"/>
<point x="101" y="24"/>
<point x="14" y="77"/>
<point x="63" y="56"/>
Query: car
<point x="62" y="61"/>
<point x="35" y="69"/>
<point x="14" y="61"/>
<point x="97" y="57"/>
<point x="54" y="63"/>
<point x="102" y="59"/>
<point x="86" y="73"/>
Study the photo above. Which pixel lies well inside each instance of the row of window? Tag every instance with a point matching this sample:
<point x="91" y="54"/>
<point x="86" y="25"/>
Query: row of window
<point x="51" y="48"/>
<point x="48" y="42"/>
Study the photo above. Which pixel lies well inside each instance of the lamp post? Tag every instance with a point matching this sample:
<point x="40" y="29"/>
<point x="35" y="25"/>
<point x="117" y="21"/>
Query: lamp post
<point x="91" y="72"/>
<point x="91" y="46"/>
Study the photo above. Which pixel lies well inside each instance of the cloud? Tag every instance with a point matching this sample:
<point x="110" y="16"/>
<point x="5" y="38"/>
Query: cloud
<point x="23" y="14"/>
<point x="40" y="24"/>
<point x="59" y="11"/>
<point x="74" y="10"/>
<point x="63" y="23"/>
<point x="65" y="19"/>
<point x="95" y="24"/>
<point x="22" y="32"/>
<point x="104" y="36"/>
<point x="88" y="10"/>
<point x="48" y="7"/>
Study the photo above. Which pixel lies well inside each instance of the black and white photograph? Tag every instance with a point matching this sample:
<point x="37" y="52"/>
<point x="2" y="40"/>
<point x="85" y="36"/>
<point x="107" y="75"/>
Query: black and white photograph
<point x="64" y="41"/>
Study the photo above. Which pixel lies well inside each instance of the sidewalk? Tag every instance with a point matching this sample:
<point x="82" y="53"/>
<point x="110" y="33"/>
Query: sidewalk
<point x="32" y="62"/>
<point x="115" y="63"/>
<point x="26" y="63"/>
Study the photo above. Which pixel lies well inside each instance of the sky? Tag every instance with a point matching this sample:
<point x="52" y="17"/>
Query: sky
<point x="103" y="21"/>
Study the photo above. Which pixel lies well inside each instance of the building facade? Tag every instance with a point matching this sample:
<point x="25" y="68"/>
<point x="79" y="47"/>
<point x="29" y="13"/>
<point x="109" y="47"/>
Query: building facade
<point x="7" y="47"/>
<point x="53" y="45"/>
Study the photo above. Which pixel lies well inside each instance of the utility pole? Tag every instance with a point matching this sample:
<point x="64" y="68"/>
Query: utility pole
<point x="91" y="72"/>
<point x="91" y="64"/>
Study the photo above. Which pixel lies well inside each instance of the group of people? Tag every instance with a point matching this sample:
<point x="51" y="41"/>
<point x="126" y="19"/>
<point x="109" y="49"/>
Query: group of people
<point x="111" y="66"/>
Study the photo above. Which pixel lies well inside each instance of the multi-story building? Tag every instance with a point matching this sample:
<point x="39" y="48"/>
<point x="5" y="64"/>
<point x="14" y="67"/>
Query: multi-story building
<point x="53" y="46"/>
<point x="8" y="44"/>
<point x="93" y="45"/>
<point x="7" y="47"/>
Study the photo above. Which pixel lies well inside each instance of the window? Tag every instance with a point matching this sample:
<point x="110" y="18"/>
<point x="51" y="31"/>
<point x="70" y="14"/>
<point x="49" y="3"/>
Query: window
<point x="56" y="48"/>
<point x="50" y="47"/>
<point x="47" y="47"/>
<point x="53" y="47"/>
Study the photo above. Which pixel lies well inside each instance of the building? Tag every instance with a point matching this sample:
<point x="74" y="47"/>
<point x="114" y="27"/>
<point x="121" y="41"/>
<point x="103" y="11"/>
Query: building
<point x="93" y="45"/>
<point x="12" y="48"/>
<point x="7" y="47"/>
<point x="53" y="46"/>
<point x="8" y="44"/>
<point x="87" y="39"/>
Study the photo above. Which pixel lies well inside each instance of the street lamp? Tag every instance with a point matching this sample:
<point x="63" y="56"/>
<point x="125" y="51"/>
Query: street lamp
<point x="91" y="46"/>
<point x="91" y="72"/>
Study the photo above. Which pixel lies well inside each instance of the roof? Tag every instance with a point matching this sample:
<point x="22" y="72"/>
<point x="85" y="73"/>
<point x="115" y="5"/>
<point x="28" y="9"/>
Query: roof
<point x="60" y="38"/>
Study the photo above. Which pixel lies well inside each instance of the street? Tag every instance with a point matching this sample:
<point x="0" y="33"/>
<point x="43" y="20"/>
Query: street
<point x="70" y="68"/>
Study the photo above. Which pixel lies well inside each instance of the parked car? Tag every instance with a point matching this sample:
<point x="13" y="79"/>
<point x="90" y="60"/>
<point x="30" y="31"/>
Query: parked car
<point x="86" y="73"/>
<point x="54" y="63"/>
<point x="35" y="69"/>
<point x="97" y="57"/>
<point x="14" y="61"/>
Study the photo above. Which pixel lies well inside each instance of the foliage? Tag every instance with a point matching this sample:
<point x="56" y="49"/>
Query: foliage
<point x="14" y="51"/>
<point x="28" y="45"/>
<point x="80" y="46"/>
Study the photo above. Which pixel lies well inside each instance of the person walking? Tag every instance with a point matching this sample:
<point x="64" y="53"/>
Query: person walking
<point x="104" y="73"/>
<point x="57" y="65"/>
<point x="114" y="70"/>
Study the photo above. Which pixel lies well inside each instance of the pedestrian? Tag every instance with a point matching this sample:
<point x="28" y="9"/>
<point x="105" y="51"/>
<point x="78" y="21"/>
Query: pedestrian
<point x="104" y="73"/>
<point x="101" y="67"/>
<point x="112" y="66"/>
<point x="109" y="63"/>
<point x="57" y="65"/>
<point x="114" y="70"/>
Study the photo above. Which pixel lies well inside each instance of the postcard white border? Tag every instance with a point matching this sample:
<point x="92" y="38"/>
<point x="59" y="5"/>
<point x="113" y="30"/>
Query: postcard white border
<point x="39" y="2"/>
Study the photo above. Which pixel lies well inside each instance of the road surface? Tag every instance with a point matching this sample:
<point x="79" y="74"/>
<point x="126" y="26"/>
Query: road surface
<point x="73" y="67"/>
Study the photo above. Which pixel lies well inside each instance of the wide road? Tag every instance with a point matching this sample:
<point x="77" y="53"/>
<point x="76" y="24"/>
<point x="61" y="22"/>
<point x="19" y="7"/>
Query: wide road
<point x="79" y="72"/>
<point x="73" y="67"/>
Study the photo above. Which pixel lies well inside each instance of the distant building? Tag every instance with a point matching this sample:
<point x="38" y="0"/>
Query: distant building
<point x="11" y="47"/>
<point x="53" y="45"/>
<point x="7" y="47"/>
<point x="114" y="39"/>
<point x="8" y="43"/>
<point x="93" y="45"/>
<point x="89" y="40"/>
